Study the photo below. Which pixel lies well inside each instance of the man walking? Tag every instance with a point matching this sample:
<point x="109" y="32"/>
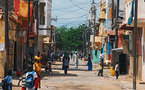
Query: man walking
<point x="76" y="59"/>
<point x="101" y="56"/>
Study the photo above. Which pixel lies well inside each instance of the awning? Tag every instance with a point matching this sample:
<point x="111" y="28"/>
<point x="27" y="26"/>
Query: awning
<point x="126" y="27"/>
<point x="118" y="49"/>
<point x="98" y="42"/>
<point x="47" y="41"/>
<point x="21" y="8"/>
<point x="113" y="32"/>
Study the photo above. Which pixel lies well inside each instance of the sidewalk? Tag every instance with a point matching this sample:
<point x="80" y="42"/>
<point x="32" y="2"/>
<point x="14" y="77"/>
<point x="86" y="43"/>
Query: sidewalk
<point x="125" y="81"/>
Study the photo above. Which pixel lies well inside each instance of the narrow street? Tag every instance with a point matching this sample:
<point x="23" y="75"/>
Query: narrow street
<point x="77" y="79"/>
<point x="81" y="79"/>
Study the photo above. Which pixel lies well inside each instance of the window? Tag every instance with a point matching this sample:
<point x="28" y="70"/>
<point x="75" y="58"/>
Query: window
<point x="42" y="14"/>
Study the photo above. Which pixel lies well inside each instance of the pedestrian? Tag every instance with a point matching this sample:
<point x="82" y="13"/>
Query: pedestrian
<point x="117" y="70"/>
<point x="76" y="60"/>
<point x="38" y="63"/>
<point x="52" y="56"/>
<point x="66" y="60"/>
<point x="89" y="63"/>
<point x="7" y="82"/>
<point x="31" y="77"/>
<point x="100" y="69"/>
<point x="101" y="56"/>
<point x="71" y="54"/>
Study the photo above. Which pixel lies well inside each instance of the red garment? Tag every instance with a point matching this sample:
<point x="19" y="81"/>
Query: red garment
<point x="37" y="82"/>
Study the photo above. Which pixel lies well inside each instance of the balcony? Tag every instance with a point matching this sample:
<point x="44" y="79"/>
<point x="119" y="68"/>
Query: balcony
<point x="45" y="17"/>
<point x="141" y="12"/>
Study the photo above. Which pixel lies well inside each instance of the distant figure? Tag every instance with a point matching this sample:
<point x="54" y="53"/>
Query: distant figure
<point x="76" y="60"/>
<point x="52" y="56"/>
<point x="100" y="69"/>
<point x="71" y="54"/>
<point x="101" y="56"/>
<point x="117" y="70"/>
<point x="7" y="82"/>
<point x="89" y="63"/>
<point x="31" y="77"/>
<point x="65" y="62"/>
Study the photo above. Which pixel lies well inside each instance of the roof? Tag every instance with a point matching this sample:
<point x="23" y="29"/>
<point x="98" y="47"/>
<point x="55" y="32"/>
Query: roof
<point x="118" y="49"/>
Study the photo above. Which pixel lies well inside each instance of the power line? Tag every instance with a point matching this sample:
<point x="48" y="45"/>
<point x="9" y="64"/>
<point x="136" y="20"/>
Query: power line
<point x="75" y="20"/>
<point x="77" y="5"/>
<point x="56" y="9"/>
<point x="70" y="18"/>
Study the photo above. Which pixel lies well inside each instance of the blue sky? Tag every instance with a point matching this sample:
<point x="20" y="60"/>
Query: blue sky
<point x="71" y="12"/>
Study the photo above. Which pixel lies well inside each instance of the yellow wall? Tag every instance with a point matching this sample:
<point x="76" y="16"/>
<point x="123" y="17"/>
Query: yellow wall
<point x="2" y="40"/>
<point x="2" y="31"/>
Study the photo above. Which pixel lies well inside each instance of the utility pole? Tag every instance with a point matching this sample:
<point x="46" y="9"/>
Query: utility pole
<point x="112" y="13"/>
<point x="37" y="27"/>
<point x="94" y="20"/>
<point x="6" y="35"/>
<point x="116" y="23"/>
<point x="134" y="44"/>
<point x="28" y="25"/>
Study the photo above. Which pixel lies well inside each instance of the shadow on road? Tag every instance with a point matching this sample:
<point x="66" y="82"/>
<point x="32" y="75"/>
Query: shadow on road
<point x="56" y="74"/>
<point x="69" y="65"/>
<point x="72" y="69"/>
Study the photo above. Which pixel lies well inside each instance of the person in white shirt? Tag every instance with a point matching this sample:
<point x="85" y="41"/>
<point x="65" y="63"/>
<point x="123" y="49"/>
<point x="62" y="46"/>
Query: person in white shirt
<point x="101" y="56"/>
<point x="76" y="60"/>
<point x="117" y="70"/>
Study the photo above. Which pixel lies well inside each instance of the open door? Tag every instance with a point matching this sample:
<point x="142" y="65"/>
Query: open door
<point x="122" y="63"/>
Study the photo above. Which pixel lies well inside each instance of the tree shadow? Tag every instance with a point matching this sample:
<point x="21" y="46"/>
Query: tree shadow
<point x="56" y="74"/>
<point x="71" y="69"/>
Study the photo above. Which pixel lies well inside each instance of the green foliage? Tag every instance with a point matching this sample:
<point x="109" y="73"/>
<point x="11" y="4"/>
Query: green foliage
<point x="70" y="38"/>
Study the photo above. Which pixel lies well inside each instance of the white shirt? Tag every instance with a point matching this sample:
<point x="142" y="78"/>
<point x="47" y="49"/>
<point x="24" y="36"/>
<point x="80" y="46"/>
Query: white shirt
<point x="101" y="56"/>
<point x="117" y="67"/>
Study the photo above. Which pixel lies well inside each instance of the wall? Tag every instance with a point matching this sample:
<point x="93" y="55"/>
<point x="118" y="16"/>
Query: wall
<point x="47" y="10"/>
<point x="40" y="44"/>
<point x="143" y="61"/>
<point x="2" y="40"/>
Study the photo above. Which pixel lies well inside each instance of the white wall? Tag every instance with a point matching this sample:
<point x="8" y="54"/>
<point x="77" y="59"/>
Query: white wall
<point x="47" y="18"/>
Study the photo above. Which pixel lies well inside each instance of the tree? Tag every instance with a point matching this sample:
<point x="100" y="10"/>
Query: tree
<point x="70" y="38"/>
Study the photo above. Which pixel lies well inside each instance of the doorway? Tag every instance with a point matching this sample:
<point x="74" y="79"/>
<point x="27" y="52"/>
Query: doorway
<point x="122" y="63"/>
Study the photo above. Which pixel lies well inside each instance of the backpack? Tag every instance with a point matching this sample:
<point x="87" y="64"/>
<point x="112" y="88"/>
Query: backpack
<point x="4" y="84"/>
<point x="66" y="62"/>
<point x="30" y="80"/>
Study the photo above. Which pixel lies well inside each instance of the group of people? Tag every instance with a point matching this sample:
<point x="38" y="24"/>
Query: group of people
<point x="33" y="76"/>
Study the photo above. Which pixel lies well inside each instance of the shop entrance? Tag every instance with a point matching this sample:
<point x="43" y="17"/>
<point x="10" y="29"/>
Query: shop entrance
<point x="122" y="63"/>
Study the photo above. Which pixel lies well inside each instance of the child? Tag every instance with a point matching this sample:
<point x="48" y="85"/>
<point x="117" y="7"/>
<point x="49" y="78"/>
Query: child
<point x="7" y="82"/>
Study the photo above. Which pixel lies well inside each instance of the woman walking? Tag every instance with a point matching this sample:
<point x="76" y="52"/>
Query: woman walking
<point x="89" y="63"/>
